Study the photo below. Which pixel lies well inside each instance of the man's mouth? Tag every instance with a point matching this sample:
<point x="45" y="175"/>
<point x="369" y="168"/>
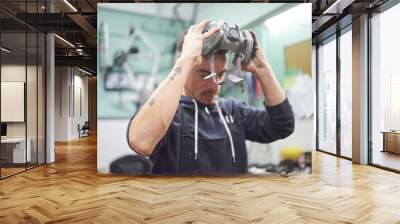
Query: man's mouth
<point x="208" y="94"/>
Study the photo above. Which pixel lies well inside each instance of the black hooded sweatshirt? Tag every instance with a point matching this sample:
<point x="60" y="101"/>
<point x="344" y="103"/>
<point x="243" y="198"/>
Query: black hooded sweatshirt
<point x="211" y="139"/>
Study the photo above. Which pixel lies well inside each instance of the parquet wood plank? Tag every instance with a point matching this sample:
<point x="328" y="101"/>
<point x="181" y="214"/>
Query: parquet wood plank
<point x="70" y="191"/>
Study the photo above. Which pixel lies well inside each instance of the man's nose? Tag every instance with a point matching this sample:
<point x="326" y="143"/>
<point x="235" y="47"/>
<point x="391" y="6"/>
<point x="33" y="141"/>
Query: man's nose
<point x="211" y="83"/>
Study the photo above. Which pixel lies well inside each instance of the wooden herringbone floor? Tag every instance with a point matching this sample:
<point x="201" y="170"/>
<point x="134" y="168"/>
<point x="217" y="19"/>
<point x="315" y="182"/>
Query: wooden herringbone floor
<point x="70" y="191"/>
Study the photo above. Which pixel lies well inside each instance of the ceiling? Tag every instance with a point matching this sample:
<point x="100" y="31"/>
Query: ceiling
<point x="330" y="15"/>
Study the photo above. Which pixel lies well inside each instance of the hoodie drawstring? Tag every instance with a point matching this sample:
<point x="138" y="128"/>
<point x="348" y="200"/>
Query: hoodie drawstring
<point x="229" y="133"/>
<point x="196" y="127"/>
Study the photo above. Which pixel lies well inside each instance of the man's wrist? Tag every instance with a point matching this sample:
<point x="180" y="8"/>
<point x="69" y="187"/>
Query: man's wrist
<point x="185" y="61"/>
<point x="264" y="72"/>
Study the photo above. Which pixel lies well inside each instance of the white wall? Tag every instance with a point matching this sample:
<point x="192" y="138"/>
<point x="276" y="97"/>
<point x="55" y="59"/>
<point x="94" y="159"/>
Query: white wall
<point x="69" y="85"/>
<point x="12" y="100"/>
<point x="14" y="73"/>
<point x="33" y="126"/>
<point x="111" y="142"/>
<point x="81" y="84"/>
<point x="17" y="73"/>
<point x="61" y="103"/>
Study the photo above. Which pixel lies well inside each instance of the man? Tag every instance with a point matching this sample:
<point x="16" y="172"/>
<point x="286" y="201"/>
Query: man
<point x="185" y="128"/>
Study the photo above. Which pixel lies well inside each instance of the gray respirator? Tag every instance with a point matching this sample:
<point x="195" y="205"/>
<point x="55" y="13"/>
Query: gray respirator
<point x="231" y="39"/>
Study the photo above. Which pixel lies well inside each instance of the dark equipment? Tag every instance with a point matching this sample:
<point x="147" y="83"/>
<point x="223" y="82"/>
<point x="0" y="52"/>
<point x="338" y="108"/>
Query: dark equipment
<point x="131" y="164"/>
<point x="3" y="129"/>
<point x="84" y="130"/>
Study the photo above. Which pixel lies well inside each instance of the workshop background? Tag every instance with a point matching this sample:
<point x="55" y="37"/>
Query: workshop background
<point x="136" y="50"/>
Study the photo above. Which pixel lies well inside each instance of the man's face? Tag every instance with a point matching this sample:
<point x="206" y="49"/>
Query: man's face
<point x="205" y="91"/>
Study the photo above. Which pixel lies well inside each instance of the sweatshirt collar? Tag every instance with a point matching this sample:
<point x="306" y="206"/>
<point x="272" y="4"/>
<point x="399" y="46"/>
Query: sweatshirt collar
<point x="187" y="101"/>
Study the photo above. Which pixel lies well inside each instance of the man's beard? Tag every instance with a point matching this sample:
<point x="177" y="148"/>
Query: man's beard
<point x="208" y="93"/>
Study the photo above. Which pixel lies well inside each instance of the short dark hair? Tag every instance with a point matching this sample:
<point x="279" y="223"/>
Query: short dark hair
<point x="179" y="44"/>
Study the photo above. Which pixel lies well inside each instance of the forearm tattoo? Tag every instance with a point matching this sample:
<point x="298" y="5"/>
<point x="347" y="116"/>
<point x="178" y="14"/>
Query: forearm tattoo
<point x="177" y="71"/>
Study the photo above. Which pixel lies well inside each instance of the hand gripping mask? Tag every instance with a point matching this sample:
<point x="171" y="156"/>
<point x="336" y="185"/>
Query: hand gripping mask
<point x="231" y="39"/>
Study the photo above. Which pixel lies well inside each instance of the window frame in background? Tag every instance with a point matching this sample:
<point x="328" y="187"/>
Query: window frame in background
<point x="40" y="51"/>
<point x="371" y="76"/>
<point x="338" y="82"/>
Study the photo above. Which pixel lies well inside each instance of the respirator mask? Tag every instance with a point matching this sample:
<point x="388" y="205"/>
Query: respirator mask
<point x="230" y="39"/>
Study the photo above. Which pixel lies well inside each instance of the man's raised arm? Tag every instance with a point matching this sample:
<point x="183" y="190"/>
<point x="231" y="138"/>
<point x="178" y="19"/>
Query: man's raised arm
<point x="153" y="119"/>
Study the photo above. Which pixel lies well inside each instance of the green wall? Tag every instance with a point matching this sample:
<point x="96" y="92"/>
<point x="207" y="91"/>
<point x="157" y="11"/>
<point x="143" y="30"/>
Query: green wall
<point x="161" y="31"/>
